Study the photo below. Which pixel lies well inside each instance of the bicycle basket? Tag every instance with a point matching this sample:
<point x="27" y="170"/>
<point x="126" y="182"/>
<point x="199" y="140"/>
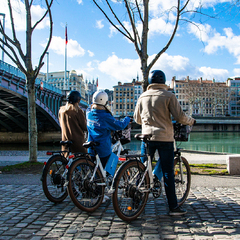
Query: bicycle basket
<point x="124" y="135"/>
<point x="181" y="132"/>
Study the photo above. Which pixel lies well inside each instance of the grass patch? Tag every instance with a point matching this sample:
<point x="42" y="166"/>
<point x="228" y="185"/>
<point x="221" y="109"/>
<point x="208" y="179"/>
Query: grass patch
<point x="209" y="169"/>
<point x="25" y="167"/>
<point x="36" y="168"/>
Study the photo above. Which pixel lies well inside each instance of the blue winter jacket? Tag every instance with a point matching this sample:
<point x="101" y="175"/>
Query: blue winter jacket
<point x="100" y="123"/>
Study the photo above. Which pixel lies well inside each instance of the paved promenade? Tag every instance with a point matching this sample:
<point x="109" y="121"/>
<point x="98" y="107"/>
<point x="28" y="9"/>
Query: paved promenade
<point x="213" y="213"/>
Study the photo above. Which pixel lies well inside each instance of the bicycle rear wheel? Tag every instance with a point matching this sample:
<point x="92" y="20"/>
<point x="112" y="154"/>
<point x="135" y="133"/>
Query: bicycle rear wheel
<point x="182" y="181"/>
<point x="128" y="200"/>
<point x="52" y="179"/>
<point x="86" y="195"/>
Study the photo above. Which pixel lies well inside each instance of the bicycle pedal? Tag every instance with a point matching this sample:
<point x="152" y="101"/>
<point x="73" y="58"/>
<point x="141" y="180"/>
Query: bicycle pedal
<point x="66" y="183"/>
<point x="111" y="191"/>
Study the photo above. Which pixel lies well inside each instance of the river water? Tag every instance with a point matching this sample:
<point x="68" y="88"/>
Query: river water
<point x="221" y="142"/>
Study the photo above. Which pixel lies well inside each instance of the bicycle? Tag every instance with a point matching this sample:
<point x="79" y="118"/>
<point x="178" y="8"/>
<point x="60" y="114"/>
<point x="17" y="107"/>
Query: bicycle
<point x="135" y="180"/>
<point x="54" y="174"/>
<point x="87" y="180"/>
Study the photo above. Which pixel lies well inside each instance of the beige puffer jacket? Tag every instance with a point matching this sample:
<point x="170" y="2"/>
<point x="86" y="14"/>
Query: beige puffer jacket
<point x="154" y="109"/>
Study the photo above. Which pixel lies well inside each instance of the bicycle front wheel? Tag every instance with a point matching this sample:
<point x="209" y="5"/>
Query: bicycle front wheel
<point x="182" y="175"/>
<point x="131" y="190"/>
<point x="85" y="193"/>
<point x="53" y="180"/>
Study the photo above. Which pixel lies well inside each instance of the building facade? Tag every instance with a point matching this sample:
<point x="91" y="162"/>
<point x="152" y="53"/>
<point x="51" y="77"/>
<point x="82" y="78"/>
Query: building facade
<point x="125" y="98"/>
<point x="73" y="81"/>
<point x="206" y="98"/>
<point x="91" y="88"/>
<point x="234" y="96"/>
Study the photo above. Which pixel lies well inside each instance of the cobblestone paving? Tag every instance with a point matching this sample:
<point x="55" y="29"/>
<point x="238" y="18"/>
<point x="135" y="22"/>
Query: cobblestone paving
<point x="25" y="213"/>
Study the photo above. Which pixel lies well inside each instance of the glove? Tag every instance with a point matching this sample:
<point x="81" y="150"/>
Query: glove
<point x="131" y="119"/>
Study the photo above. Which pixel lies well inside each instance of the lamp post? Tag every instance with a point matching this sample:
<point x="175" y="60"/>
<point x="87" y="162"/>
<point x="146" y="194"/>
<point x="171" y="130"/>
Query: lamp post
<point x="47" y="64"/>
<point x="3" y="15"/>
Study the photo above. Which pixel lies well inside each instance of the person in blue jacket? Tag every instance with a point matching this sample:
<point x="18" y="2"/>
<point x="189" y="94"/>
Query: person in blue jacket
<point x="100" y="123"/>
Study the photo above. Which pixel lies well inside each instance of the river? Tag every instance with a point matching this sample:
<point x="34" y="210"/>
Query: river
<point x="222" y="142"/>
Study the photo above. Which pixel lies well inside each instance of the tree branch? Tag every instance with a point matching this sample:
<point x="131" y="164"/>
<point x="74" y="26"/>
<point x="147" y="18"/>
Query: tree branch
<point x="171" y="38"/>
<point x="15" y="59"/>
<point x="15" y="40"/>
<point x="40" y="64"/>
<point x="128" y="35"/>
<point x="43" y="15"/>
<point x="133" y="24"/>
<point x="139" y="11"/>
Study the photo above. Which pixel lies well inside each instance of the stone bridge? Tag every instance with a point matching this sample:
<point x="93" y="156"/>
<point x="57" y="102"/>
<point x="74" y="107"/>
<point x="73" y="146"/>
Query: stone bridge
<point x="13" y="105"/>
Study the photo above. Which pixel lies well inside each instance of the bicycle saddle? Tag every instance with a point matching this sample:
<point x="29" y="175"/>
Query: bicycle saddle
<point x="68" y="143"/>
<point x="143" y="137"/>
<point x="90" y="144"/>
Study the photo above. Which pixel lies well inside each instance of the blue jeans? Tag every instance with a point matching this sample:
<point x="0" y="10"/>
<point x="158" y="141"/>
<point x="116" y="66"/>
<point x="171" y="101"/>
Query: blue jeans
<point x="166" y="158"/>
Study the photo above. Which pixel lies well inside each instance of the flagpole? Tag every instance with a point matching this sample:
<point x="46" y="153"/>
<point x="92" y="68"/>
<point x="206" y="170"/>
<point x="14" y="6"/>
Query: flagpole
<point x="65" y="73"/>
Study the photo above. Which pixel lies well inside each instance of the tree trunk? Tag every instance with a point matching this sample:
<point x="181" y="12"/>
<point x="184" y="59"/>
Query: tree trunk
<point x="32" y="123"/>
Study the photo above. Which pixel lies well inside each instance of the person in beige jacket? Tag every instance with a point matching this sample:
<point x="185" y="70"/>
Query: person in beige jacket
<point x="73" y="123"/>
<point x="154" y="111"/>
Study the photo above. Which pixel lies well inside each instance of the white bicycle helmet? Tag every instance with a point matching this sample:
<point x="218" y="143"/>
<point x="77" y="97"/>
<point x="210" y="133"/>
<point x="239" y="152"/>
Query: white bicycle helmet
<point x="100" y="97"/>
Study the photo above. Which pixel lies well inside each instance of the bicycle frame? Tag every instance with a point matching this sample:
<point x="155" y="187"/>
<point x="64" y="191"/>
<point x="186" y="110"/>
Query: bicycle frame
<point x="149" y="170"/>
<point x="115" y="147"/>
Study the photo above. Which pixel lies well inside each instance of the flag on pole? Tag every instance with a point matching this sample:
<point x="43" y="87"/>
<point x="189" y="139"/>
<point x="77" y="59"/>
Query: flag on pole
<point x="66" y="35"/>
<point x="97" y="82"/>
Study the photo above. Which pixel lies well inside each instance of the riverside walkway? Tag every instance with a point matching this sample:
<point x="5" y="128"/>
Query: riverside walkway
<point x="213" y="212"/>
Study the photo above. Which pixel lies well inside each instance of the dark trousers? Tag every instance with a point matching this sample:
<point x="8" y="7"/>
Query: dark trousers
<point x="103" y="160"/>
<point x="166" y="158"/>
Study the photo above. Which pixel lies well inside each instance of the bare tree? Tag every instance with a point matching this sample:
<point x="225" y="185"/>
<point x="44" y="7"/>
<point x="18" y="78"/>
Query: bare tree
<point x="138" y="11"/>
<point x="23" y="60"/>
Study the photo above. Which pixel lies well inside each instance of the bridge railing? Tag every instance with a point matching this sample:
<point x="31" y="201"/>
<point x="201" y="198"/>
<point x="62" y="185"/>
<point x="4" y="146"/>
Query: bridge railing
<point x="48" y="86"/>
<point x="16" y="72"/>
<point x="13" y="70"/>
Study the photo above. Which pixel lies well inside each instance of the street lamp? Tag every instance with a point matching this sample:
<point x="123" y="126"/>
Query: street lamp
<point x="47" y="64"/>
<point x="3" y="15"/>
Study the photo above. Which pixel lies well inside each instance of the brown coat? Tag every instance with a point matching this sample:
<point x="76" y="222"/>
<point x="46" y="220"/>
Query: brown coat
<point x="73" y="125"/>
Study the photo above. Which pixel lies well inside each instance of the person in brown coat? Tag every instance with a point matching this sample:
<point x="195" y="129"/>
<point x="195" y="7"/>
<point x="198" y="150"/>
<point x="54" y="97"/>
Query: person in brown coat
<point x="73" y="123"/>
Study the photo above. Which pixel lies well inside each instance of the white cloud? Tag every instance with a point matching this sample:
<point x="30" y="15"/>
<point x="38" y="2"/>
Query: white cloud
<point x="99" y="24"/>
<point x="214" y="40"/>
<point x="125" y="70"/>
<point x="210" y="73"/>
<point x="159" y="26"/>
<point x="19" y="15"/>
<point x="73" y="47"/>
<point x="237" y="72"/>
<point x="119" y="69"/>
<point x="113" y="31"/>
<point x="229" y="41"/>
<point x="91" y="54"/>
<point x="79" y="1"/>
<point x="201" y="31"/>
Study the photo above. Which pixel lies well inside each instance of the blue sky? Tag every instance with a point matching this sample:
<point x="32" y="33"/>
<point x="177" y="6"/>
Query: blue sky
<point x="97" y="51"/>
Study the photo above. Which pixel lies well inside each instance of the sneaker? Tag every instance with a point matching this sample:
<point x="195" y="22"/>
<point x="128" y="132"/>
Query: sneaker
<point x="105" y="198"/>
<point x="178" y="211"/>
